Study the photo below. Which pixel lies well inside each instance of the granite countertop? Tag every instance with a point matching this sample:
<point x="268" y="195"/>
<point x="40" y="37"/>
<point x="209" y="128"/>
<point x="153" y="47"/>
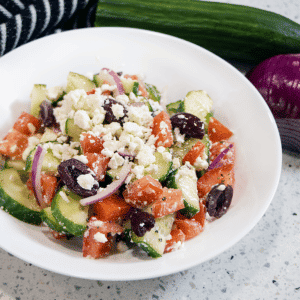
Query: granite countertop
<point x="265" y="264"/>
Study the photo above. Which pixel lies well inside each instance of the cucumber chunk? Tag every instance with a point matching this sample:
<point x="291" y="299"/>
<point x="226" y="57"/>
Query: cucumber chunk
<point x="73" y="130"/>
<point x="68" y="211"/>
<point x="198" y="103"/>
<point x="77" y="81"/>
<point x="164" y="166"/>
<point x="50" y="162"/>
<point x="51" y="222"/>
<point x="16" y="199"/>
<point x="127" y="84"/>
<point x="153" y="92"/>
<point x="38" y="95"/>
<point x="185" y="179"/>
<point x="154" y="241"/>
<point x="18" y="165"/>
<point x="175" y="107"/>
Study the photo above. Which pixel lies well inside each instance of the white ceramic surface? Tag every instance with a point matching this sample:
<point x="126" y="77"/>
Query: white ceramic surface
<point x="171" y="64"/>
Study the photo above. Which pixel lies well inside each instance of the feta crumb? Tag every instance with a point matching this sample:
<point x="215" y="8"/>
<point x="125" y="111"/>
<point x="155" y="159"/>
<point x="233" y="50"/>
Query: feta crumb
<point x="100" y="237"/>
<point x="86" y="181"/>
<point x="221" y="187"/>
<point x="179" y="137"/>
<point x="176" y="163"/>
<point x="64" y="196"/>
<point x="81" y="158"/>
<point x="82" y="119"/>
<point x="31" y="128"/>
<point x="138" y="171"/>
<point x="118" y="111"/>
<point x="116" y="161"/>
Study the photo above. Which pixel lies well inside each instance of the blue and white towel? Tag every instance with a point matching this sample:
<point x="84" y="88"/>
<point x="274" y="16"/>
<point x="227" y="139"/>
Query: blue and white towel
<point x="22" y="21"/>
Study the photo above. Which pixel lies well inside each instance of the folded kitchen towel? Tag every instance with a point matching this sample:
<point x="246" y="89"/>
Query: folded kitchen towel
<point x="22" y="21"/>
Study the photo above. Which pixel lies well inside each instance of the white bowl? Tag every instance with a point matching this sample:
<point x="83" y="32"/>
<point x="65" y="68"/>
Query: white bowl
<point x="169" y="62"/>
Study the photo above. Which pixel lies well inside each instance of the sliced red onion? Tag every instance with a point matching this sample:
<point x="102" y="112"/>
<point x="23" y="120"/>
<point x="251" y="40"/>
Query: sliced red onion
<point x="216" y="163"/>
<point x="113" y="79"/>
<point x="289" y="130"/>
<point x="36" y="174"/>
<point x="126" y="154"/>
<point x="111" y="188"/>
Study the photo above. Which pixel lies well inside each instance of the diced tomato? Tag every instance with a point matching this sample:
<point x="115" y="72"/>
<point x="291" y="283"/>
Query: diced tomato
<point x="49" y="185"/>
<point x="91" y="143"/>
<point x="217" y="148"/>
<point x="217" y="131"/>
<point x="162" y="129"/>
<point x="98" y="164"/>
<point x="14" y="144"/>
<point x="142" y="87"/>
<point x="111" y="208"/>
<point x="27" y="124"/>
<point x="223" y="175"/>
<point x="169" y="202"/>
<point x="177" y="239"/>
<point x="91" y="92"/>
<point x="97" y="240"/>
<point x="143" y="192"/>
<point x="58" y="235"/>
<point x="197" y="150"/>
<point x="191" y="227"/>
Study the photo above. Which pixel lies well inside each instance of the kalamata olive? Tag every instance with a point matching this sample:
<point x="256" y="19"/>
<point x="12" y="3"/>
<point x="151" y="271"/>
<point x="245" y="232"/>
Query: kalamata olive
<point x="218" y="200"/>
<point x="112" y="111"/>
<point x="188" y="124"/>
<point x="141" y="222"/>
<point x="69" y="171"/>
<point x="46" y="113"/>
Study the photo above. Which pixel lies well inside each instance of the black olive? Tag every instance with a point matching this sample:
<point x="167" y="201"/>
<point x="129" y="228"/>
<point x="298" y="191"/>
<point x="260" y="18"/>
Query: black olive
<point x="141" y="222"/>
<point x="218" y="200"/>
<point x="69" y="170"/>
<point x="109" y="116"/>
<point x="46" y="113"/>
<point x="188" y="124"/>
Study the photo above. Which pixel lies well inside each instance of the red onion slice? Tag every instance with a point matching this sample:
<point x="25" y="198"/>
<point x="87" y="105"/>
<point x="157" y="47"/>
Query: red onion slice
<point x="111" y="188"/>
<point x="126" y="154"/>
<point x="36" y="174"/>
<point x="216" y="163"/>
<point x="113" y="79"/>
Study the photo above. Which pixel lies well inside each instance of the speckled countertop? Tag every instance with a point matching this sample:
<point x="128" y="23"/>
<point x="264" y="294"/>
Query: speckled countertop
<point x="265" y="264"/>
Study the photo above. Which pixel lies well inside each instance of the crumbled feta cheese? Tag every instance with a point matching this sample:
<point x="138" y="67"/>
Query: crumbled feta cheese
<point x="201" y="163"/>
<point x="116" y="161"/>
<point x="145" y="157"/>
<point x="176" y="163"/>
<point x="31" y="128"/>
<point x="86" y="181"/>
<point x="81" y="158"/>
<point x="64" y="196"/>
<point x="140" y="115"/>
<point x="118" y="111"/>
<point x="100" y="237"/>
<point x="179" y="137"/>
<point x="82" y="119"/>
<point x="122" y="99"/>
<point x="221" y="187"/>
<point x="138" y="171"/>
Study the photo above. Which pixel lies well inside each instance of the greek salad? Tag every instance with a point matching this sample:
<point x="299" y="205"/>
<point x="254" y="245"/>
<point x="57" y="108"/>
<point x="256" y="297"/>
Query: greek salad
<point x="105" y="159"/>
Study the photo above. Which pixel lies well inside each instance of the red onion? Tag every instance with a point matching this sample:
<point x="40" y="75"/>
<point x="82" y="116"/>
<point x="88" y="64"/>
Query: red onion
<point x="111" y="188"/>
<point x="113" y="79"/>
<point x="217" y="161"/>
<point x="278" y="81"/>
<point x="36" y="174"/>
<point x="126" y="154"/>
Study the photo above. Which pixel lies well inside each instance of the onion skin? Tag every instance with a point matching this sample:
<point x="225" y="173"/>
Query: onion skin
<point x="278" y="81"/>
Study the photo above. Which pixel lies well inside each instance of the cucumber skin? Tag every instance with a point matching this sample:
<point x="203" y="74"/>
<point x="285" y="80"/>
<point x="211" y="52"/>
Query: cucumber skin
<point x="234" y="32"/>
<point x="18" y="210"/>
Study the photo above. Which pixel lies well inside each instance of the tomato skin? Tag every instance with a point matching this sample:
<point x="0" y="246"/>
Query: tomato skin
<point x="112" y="208"/>
<point x="177" y="238"/>
<point x="27" y="124"/>
<point x="197" y="150"/>
<point x="169" y="202"/>
<point x="218" y="147"/>
<point x="98" y="164"/>
<point x="162" y="130"/>
<point x="143" y="192"/>
<point x="91" y="143"/>
<point x="217" y="131"/>
<point x="14" y="144"/>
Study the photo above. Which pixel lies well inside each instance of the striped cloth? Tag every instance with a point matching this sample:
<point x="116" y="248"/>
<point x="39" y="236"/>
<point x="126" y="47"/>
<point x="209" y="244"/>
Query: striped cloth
<point x="22" y="21"/>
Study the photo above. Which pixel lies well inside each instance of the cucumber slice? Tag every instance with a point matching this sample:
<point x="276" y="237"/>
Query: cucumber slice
<point x="185" y="179"/>
<point x="186" y="146"/>
<point x="127" y="84"/>
<point x="198" y="103"/>
<point x="18" y="165"/>
<point x="73" y="130"/>
<point x="163" y="166"/>
<point x="51" y="222"/>
<point x="77" y="81"/>
<point x="38" y="95"/>
<point x="113" y="173"/>
<point x="68" y="211"/>
<point x="96" y="79"/>
<point x="175" y="107"/>
<point x="50" y="162"/>
<point x="153" y="92"/>
<point x="16" y="199"/>
<point x="154" y="241"/>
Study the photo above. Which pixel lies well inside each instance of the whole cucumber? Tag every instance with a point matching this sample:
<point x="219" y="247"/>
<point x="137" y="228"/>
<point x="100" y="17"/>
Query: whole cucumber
<point x="234" y="32"/>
